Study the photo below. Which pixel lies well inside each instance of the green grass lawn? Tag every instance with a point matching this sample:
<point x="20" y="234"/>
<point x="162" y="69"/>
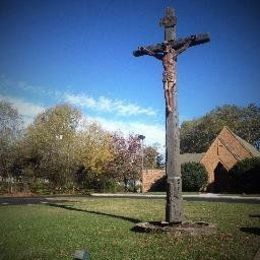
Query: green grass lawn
<point x="103" y="227"/>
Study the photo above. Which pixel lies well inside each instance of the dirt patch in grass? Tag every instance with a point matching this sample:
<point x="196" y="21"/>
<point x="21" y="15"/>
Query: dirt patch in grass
<point x="186" y="228"/>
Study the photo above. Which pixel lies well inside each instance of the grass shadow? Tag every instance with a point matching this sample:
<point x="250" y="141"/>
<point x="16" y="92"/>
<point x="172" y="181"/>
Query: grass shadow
<point x="132" y="220"/>
<point x="251" y="230"/>
<point x="254" y="215"/>
<point x="7" y="201"/>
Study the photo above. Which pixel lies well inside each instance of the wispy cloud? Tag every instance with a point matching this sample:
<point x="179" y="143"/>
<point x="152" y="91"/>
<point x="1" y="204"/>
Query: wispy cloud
<point x="105" y="104"/>
<point x="39" y="90"/>
<point x="27" y="109"/>
<point x="154" y="133"/>
<point x="100" y="104"/>
<point x="9" y="87"/>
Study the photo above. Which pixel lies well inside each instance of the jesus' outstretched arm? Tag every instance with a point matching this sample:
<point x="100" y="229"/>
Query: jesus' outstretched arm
<point x="152" y="53"/>
<point x="186" y="45"/>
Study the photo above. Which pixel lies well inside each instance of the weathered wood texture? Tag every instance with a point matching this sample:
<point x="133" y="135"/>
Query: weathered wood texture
<point x="174" y="208"/>
<point x="176" y="44"/>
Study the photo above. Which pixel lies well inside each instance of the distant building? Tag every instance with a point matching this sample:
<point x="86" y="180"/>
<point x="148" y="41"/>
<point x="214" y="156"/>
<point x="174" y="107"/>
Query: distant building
<point x="153" y="179"/>
<point x="225" y="151"/>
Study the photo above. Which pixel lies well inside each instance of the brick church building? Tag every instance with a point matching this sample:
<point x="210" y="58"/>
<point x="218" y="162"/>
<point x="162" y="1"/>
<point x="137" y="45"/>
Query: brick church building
<point x="225" y="151"/>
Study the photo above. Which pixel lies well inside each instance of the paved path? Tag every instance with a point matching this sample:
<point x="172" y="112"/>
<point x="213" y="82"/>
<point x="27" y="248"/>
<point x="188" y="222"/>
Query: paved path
<point x="30" y="200"/>
<point x="190" y="197"/>
<point x="60" y="199"/>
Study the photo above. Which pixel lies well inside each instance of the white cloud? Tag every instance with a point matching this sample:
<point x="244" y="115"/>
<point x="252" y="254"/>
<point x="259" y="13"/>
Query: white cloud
<point x="105" y="104"/>
<point x="154" y="133"/>
<point x="7" y="84"/>
<point x="100" y="104"/>
<point x="80" y="100"/>
<point x="27" y="109"/>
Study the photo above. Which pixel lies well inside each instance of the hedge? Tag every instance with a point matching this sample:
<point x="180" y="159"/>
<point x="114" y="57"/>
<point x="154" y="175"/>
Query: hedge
<point x="194" y="176"/>
<point x="245" y="176"/>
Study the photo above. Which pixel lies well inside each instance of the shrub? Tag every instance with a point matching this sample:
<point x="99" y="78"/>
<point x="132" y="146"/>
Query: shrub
<point x="101" y="184"/>
<point x="40" y="187"/>
<point x="245" y="176"/>
<point x="194" y="176"/>
<point x="110" y="185"/>
<point x="4" y="187"/>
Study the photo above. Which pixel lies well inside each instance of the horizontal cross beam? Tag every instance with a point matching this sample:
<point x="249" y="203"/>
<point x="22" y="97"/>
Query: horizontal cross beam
<point x="196" y="40"/>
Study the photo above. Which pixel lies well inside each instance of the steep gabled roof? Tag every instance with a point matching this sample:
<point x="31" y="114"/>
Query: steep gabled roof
<point x="235" y="153"/>
<point x="250" y="148"/>
<point x="247" y="146"/>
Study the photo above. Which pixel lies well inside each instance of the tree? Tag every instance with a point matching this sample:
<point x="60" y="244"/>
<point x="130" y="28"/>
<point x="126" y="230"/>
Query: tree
<point x="94" y="154"/>
<point x="51" y="144"/>
<point x="249" y="124"/>
<point x="198" y="134"/>
<point x="10" y="131"/>
<point x="150" y="157"/>
<point x="160" y="163"/>
<point x="94" y="150"/>
<point x="126" y="163"/>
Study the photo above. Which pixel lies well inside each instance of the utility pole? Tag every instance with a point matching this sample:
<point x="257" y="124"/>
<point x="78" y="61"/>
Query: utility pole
<point x="141" y="138"/>
<point x="167" y="53"/>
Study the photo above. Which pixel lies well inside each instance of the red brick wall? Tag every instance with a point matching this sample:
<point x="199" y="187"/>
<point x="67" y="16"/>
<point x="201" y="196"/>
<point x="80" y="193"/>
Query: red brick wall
<point x="150" y="177"/>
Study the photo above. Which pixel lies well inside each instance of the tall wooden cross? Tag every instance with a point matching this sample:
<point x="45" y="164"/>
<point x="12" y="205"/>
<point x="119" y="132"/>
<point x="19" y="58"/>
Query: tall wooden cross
<point x="167" y="52"/>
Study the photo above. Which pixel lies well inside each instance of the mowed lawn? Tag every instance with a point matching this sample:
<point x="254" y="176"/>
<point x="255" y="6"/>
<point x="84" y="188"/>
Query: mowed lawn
<point x="103" y="227"/>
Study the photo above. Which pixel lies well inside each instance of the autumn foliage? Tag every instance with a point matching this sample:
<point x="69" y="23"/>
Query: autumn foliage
<point x="62" y="151"/>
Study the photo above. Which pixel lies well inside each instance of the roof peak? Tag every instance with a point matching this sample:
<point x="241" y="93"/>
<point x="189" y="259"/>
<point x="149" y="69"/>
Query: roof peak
<point x="246" y="145"/>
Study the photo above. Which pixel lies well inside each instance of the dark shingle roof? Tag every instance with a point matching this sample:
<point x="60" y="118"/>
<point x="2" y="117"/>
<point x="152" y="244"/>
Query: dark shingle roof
<point x="191" y="157"/>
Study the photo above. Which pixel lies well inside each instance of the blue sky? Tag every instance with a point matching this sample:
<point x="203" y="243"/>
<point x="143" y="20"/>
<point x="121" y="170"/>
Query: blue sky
<point x="80" y="52"/>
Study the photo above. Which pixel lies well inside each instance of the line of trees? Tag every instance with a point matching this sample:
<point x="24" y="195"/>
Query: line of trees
<point x="10" y="130"/>
<point x="61" y="151"/>
<point x="198" y="134"/>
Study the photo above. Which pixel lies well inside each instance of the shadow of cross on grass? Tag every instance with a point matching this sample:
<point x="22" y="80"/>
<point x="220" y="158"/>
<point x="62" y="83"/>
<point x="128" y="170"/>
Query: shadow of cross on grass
<point x="252" y="230"/>
<point x="133" y="220"/>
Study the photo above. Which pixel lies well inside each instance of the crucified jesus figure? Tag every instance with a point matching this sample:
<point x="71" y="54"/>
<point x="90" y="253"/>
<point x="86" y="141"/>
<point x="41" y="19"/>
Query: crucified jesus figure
<point x="168" y="57"/>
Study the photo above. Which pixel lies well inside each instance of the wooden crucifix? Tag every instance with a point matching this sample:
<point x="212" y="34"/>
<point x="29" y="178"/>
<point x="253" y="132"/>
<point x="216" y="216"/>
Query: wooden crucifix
<point x="167" y="52"/>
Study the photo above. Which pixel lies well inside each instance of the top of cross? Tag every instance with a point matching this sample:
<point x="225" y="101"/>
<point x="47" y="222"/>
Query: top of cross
<point x="169" y="20"/>
<point x="169" y="23"/>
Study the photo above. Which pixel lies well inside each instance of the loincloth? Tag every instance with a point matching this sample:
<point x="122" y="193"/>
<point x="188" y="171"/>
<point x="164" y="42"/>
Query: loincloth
<point x="170" y="77"/>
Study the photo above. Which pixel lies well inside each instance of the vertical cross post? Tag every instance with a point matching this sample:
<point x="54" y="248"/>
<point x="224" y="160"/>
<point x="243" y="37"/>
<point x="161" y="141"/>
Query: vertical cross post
<point x="174" y="212"/>
<point x="167" y="52"/>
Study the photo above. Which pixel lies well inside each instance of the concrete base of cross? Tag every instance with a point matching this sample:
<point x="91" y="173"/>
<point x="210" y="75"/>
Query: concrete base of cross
<point x="190" y="228"/>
